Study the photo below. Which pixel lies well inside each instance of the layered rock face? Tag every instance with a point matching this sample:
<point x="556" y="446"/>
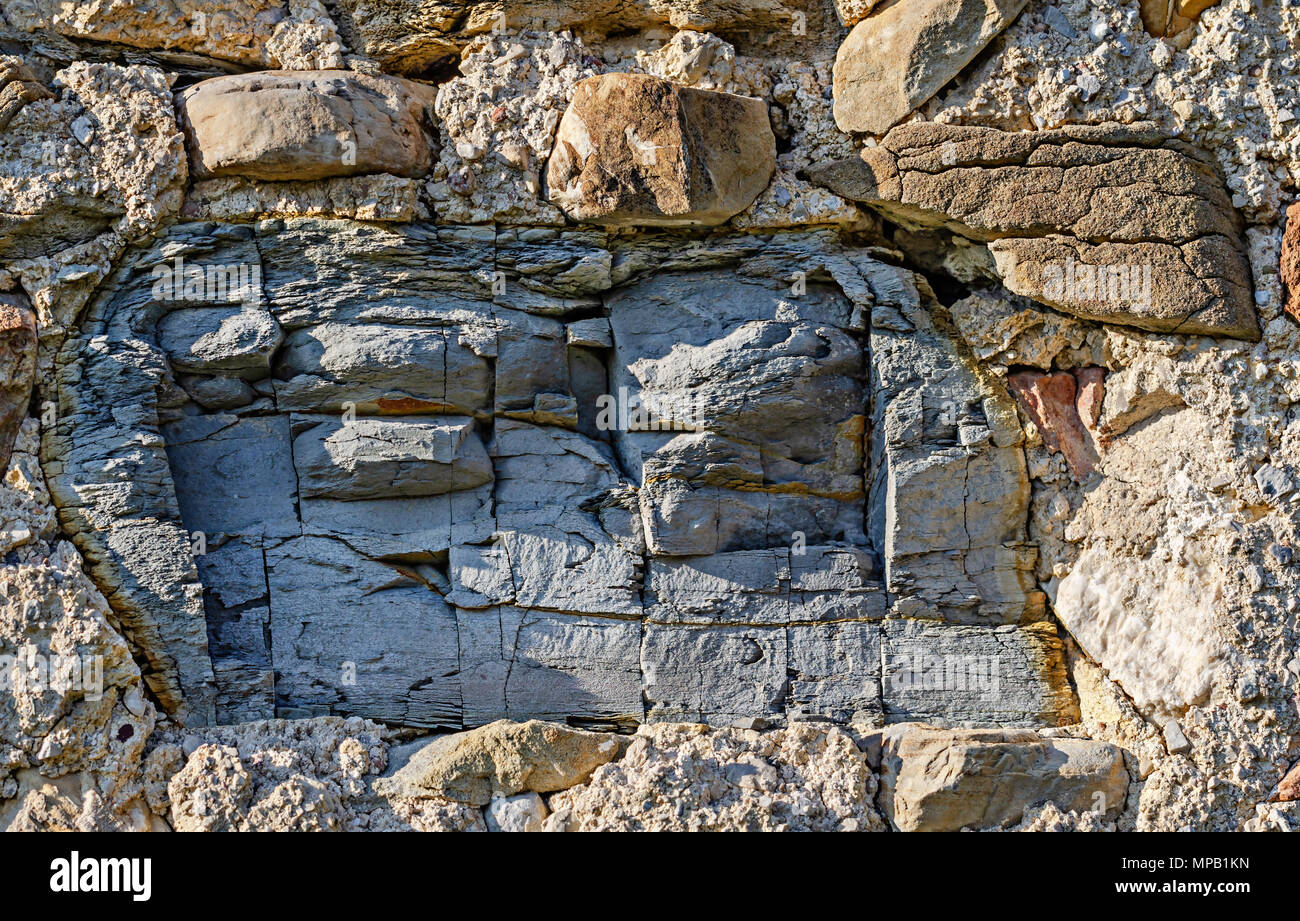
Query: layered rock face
<point x="457" y="506"/>
<point x="643" y="415"/>
<point x="1108" y="223"/>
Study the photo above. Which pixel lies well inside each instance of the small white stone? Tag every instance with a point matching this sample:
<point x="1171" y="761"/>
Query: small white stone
<point x="133" y="701"/>
<point x="467" y="151"/>
<point x="525" y="812"/>
<point x="83" y="130"/>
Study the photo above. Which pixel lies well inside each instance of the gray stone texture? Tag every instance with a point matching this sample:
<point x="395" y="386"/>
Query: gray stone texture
<point x="645" y="479"/>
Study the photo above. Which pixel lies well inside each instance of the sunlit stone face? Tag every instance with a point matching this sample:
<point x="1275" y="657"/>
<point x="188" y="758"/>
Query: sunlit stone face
<point x="438" y="476"/>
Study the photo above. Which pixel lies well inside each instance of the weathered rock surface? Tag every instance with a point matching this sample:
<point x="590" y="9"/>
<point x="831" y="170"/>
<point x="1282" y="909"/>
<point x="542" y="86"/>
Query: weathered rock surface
<point x="1173" y="19"/>
<point x="599" y="551"/>
<point x="421" y="473"/>
<point x="808" y="777"/>
<point x="409" y="36"/>
<point x="851" y="12"/>
<point x="71" y="703"/>
<point x="900" y="55"/>
<point x="1150" y="626"/>
<point x="947" y="780"/>
<point x="266" y="33"/>
<point x="17" y="368"/>
<point x="288" y="775"/>
<point x="18" y="86"/>
<point x="1107" y="223"/>
<point x="635" y="150"/>
<point x="302" y="126"/>
<point x="1290" y="261"/>
<point x="524" y="812"/>
<point x="502" y="759"/>
<point x="83" y="176"/>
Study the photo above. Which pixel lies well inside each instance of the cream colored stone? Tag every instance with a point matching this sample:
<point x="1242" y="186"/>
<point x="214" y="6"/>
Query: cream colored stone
<point x="902" y="55"/>
<point x="501" y="759"/>
<point x="951" y="779"/>
<point x="284" y="125"/>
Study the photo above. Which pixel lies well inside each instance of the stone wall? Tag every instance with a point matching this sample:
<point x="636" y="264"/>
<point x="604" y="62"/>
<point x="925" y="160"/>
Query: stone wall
<point x="763" y="389"/>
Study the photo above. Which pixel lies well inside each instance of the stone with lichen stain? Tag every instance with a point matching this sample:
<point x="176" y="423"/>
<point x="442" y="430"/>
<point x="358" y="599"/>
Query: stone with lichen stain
<point x="1054" y="403"/>
<point x="301" y="125"/>
<point x="637" y="150"/>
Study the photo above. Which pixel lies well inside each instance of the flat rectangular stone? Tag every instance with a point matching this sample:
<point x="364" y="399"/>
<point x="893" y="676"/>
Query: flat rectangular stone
<point x="953" y="675"/>
<point x="714" y="675"/>
<point x="356" y="637"/>
<point x="388" y="456"/>
<point x="835" y="672"/>
<point x="234" y="475"/>
<point x="520" y="665"/>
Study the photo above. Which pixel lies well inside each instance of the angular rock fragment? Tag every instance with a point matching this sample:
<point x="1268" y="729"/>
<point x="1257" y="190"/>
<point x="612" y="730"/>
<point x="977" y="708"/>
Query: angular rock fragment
<point x="524" y="812"/>
<point x="1289" y="789"/>
<point x="1174" y="20"/>
<point x="1149" y="625"/>
<point x="1058" y="403"/>
<point x="291" y="125"/>
<point x="501" y="759"/>
<point x="852" y="12"/>
<point x="636" y="150"/>
<point x="900" y="55"/>
<point x="947" y="780"/>
<point x="392" y="456"/>
<point x="1110" y="223"/>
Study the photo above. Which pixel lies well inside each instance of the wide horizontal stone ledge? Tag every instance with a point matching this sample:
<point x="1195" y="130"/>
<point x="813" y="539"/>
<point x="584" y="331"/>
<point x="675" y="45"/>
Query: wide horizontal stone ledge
<point x="935" y="779"/>
<point x="637" y="150"/>
<point x="1109" y="223"/>
<point x="305" y="125"/>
